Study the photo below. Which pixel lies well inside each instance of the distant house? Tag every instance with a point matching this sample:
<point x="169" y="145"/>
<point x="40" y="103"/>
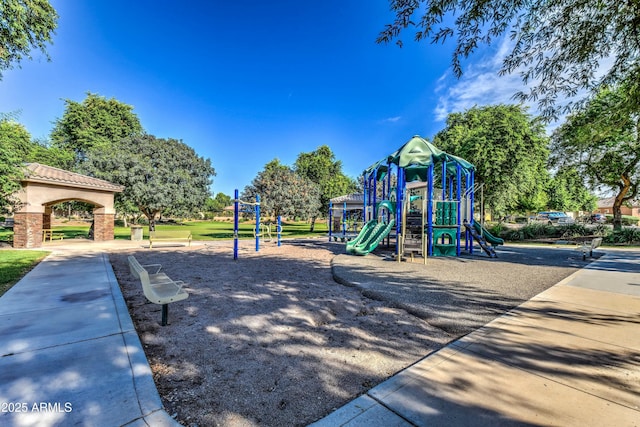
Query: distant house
<point x="605" y="206"/>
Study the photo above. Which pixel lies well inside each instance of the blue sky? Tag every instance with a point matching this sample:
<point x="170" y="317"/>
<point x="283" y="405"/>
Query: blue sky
<point x="246" y="82"/>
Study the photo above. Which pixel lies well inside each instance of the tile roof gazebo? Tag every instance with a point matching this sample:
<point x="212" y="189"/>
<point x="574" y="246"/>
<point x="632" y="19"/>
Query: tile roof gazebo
<point x="44" y="186"/>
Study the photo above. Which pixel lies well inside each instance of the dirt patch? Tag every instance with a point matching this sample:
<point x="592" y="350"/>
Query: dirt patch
<point x="269" y="339"/>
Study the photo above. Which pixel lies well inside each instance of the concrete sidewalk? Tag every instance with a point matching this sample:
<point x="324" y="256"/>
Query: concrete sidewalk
<point x="568" y="357"/>
<point x="69" y="354"/>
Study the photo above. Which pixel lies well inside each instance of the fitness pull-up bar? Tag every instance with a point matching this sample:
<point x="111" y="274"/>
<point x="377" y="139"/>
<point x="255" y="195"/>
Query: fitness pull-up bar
<point x="236" y="209"/>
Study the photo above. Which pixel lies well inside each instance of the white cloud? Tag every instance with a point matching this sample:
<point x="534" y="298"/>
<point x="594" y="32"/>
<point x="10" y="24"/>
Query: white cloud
<point x="394" y="119"/>
<point x="480" y="84"/>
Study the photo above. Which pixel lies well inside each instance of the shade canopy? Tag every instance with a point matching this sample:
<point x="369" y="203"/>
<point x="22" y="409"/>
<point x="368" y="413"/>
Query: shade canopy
<point x="415" y="157"/>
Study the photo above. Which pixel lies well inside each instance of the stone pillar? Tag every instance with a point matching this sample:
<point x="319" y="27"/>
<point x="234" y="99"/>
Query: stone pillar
<point x="103" y="226"/>
<point x="46" y="218"/>
<point x="27" y="230"/>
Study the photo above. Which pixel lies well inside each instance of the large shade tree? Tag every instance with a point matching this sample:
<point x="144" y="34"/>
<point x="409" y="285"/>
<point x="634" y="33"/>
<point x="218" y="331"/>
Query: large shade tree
<point x="283" y="192"/>
<point x="26" y="25"/>
<point x="508" y="148"/>
<point x="602" y="142"/>
<point x="567" y="192"/>
<point x="158" y="174"/>
<point x="15" y="141"/>
<point x="95" y="124"/>
<point x="558" y="45"/>
<point x="16" y="149"/>
<point x="321" y="167"/>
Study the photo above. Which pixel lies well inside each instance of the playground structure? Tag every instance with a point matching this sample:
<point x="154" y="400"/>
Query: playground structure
<point x="345" y="217"/>
<point x="261" y="230"/>
<point x="429" y="220"/>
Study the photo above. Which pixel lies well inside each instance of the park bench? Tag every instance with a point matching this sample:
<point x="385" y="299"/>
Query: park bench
<point x="158" y="288"/>
<point x="589" y="246"/>
<point x="48" y="233"/>
<point x="171" y="235"/>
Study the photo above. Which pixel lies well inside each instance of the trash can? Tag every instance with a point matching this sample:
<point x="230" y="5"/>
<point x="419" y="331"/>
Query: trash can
<point x="136" y="232"/>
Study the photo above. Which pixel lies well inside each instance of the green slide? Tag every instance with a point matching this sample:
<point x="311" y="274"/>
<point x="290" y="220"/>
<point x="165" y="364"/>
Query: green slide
<point x="380" y="232"/>
<point x="366" y="231"/>
<point x="487" y="236"/>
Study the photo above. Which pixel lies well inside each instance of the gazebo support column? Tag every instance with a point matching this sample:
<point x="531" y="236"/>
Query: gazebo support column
<point x="27" y="230"/>
<point x="103" y="228"/>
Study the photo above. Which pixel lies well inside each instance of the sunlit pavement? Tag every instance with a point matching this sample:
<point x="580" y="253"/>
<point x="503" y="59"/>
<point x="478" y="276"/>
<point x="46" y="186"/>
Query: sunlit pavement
<point x="69" y="354"/>
<point x="568" y="357"/>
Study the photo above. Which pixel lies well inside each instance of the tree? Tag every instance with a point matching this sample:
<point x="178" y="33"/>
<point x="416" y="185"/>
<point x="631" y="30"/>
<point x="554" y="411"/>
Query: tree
<point x="558" y="45"/>
<point x="217" y="204"/>
<point x="509" y="150"/>
<point x="15" y="143"/>
<point x="602" y="142"/>
<point x="283" y="192"/>
<point x="94" y="124"/>
<point x="567" y="192"/>
<point x="25" y="25"/>
<point x="158" y="174"/>
<point x="17" y="148"/>
<point x="322" y="168"/>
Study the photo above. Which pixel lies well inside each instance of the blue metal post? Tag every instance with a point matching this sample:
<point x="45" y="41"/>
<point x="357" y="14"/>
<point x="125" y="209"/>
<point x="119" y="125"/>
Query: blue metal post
<point x="375" y="193"/>
<point x="471" y="200"/>
<point x="364" y="198"/>
<point x="330" y="221"/>
<point x="444" y="179"/>
<point x="279" y="229"/>
<point x="235" y="224"/>
<point x="399" y="202"/>
<point x="344" y="219"/>
<point x="257" y="223"/>
<point x="389" y="198"/>
<point x="430" y="210"/>
<point x="458" y="199"/>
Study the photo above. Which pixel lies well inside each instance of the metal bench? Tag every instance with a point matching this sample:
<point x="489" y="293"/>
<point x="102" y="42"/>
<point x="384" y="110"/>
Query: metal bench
<point x="170" y="235"/>
<point x="158" y="288"/>
<point x="589" y="247"/>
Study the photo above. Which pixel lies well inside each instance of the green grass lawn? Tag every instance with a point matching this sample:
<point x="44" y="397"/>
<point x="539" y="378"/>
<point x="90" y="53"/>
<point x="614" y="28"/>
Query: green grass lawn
<point x="14" y="264"/>
<point x="203" y="230"/>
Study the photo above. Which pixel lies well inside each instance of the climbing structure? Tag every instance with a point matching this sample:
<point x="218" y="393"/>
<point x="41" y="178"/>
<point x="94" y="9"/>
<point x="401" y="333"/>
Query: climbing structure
<point x="433" y="195"/>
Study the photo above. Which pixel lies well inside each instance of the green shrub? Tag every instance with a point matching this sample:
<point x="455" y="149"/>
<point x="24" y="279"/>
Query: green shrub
<point x="573" y="230"/>
<point x="532" y="231"/>
<point x="625" y="236"/>
<point x="498" y="229"/>
<point x="626" y="220"/>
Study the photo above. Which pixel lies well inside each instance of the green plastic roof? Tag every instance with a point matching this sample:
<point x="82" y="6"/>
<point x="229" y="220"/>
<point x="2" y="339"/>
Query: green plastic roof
<point x="415" y="157"/>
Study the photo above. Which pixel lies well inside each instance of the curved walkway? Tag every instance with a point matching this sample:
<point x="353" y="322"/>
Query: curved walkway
<point x="69" y="354"/>
<point x="569" y="356"/>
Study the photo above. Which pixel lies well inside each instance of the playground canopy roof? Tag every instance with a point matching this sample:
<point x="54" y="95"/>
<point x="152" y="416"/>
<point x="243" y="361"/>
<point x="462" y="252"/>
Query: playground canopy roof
<point x="415" y="157"/>
<point x="353" y="201"/>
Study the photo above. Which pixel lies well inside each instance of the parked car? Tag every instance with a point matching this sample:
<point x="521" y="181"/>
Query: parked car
<point x="554" y="218"/>
<point x="597" y="218"/>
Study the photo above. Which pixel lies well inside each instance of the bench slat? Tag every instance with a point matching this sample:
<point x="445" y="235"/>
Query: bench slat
<point x="158" y="288"/>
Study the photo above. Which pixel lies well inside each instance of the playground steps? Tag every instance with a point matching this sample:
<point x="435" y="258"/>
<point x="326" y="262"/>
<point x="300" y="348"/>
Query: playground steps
<point x="481" y="241"/>
<point x="413" y="234"/>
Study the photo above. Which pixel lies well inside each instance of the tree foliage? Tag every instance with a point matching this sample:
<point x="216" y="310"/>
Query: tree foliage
<point x="283" y="192"/>
<point x="322" y="168"/>
<point x="158" y="174"/>
<point x="25" y="25"/>
<point x="96" y="123"/>
<point x="15" y="143"/>
<point x="17" y="148"/>
<point x="602" y="142"/>
<point x="559" y="45"/>
<point x="217" y="204"/>
<point x="509" y="150"/>
<point x="567" y="192"/>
